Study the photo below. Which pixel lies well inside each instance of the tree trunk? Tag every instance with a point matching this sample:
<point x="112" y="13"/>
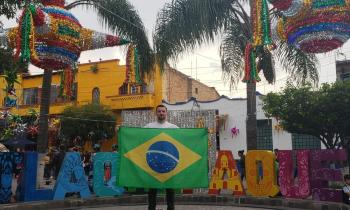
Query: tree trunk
<point x="44" y="112"/>
<point x="251" y="126"/>
<point x="348" y="157"/>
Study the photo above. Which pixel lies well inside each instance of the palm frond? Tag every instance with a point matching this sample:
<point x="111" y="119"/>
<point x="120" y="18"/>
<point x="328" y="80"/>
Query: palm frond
<point x="301" y="67"/>
<point x="184" y="24"/>
<point x="121" y="17"/>
<point x="232" y="52"/>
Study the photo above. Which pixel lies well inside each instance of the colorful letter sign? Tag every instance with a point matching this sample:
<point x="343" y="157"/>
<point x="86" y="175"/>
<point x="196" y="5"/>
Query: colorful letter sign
<point x="321" y="173"/>
<point x="28" y="185"/>
<point x="8" y="161"/>
<point x="225" y="165"/>
<point x="267" y="185"/>
<point x="106" y="169"/>
<point x="286" y="175"/>
<point x="71" y="178"/>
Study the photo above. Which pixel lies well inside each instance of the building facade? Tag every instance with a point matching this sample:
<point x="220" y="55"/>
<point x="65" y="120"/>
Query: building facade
<point x="102" y="82"/>
<point x="231" y="126"/>
<point x="179" y="87"/>
<point x="105" y="82"/>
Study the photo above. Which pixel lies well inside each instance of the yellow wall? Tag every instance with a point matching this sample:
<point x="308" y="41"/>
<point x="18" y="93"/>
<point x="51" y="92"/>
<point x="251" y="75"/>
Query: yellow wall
<point x="108" y="78"/>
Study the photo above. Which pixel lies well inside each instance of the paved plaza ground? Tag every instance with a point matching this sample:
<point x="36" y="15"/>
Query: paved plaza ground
<point x="177" y="207"/>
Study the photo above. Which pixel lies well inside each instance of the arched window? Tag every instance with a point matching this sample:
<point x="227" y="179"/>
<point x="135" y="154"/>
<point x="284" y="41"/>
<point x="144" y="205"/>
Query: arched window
<point x="96" y="95"/>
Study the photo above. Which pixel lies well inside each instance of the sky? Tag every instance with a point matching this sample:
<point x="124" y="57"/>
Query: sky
<point x="203" y="63"/>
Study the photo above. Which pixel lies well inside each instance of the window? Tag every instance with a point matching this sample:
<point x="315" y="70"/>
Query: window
<point x="134" y="89"/>
<point x="123" y="90"/>
<point x="345" y="76"/>
<point x="30" y="96"/>
<point x="264" y="135"/>
<point x="196" y="90"/>
<point x="96" y="95"/>
<point x="55" y="90"/>
<point x="302" y="141"/>
<point x="144" y="88"/>
<point x="74" y="91"/>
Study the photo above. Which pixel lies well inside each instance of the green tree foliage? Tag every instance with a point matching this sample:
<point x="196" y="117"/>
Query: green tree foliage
<point x="10" y="67"/>
<point x="323" y="113"/>
<point x="92" y="121"/>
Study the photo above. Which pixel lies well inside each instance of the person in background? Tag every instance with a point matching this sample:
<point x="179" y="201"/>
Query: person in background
<point x="346" y="189"/>
<point x="47" y="167"/>
<point x="241" y="163"/>
<point x="115" y="148"/>
<point x="58" y="160"/>
<point x="161" y="122"/>
<point x="87" y="162"/>
<point x="277" y="165"/>
<point x="97" y="148"/>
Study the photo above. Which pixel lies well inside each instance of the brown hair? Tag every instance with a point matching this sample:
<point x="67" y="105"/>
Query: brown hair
<point x="161" y="105"/>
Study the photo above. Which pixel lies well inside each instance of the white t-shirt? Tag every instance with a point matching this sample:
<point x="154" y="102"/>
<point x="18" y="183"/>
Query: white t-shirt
<point x="165" y="124"/>
<point x="346" y="189"/>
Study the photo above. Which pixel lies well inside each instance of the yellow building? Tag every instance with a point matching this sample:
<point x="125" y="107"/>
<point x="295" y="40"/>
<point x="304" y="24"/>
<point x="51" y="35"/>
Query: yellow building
<point x="102" y="82"/>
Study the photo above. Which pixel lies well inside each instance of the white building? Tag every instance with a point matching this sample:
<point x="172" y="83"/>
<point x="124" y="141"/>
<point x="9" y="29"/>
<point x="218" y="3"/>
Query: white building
<point x="232" y="113"/>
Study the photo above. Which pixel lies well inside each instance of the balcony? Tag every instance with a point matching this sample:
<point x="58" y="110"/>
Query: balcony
<point x="133" y="101"/>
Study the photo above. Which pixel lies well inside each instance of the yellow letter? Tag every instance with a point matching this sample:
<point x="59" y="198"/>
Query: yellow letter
<point x="225" y="164"/>
<point x="264" y="184"/>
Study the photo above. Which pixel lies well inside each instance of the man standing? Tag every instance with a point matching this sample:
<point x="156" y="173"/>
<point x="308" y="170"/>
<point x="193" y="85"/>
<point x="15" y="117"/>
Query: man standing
<point x="161" y="122"/>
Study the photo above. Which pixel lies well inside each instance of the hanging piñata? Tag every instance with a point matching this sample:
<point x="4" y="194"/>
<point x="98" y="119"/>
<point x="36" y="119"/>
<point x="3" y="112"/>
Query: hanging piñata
<point x="51" y="38"/>
<point x="314" y="26"/>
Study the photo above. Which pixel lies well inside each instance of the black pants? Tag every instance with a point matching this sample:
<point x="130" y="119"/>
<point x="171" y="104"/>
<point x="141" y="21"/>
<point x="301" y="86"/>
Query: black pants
<point x="152" y="199"/>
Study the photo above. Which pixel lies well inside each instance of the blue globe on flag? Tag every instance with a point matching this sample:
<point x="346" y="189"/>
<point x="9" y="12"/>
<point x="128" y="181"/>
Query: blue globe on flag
<point x="162" y="157"/>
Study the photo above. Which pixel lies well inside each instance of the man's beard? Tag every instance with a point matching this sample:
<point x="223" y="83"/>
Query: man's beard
<point x="161" y="118"/>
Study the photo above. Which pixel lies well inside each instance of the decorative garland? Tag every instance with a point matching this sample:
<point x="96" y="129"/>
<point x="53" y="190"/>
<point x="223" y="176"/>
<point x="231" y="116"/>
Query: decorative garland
<point x="314" y="26"/>
<point x="59" y="3"/>
<point x="250" y="70"/>
<point x="261" y="37"/>
<point x="67" y="80"/>
<point x="132" y="74"/>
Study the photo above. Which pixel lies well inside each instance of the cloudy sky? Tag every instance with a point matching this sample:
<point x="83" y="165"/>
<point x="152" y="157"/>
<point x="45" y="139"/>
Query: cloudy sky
<point x="203" y="63"/>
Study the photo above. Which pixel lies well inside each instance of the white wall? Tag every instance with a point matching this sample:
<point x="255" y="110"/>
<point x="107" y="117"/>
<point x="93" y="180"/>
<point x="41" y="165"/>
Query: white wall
<point x="236" y="110"/>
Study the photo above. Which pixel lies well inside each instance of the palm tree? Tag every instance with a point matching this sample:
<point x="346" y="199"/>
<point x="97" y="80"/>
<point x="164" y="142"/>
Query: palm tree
<point x="9" y="8"/>
<point x="184" y="24"/>
<point x="120" y="17"/>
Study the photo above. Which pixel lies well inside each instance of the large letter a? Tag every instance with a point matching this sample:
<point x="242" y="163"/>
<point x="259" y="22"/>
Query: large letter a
<point x="225" y="167"/>
<point x="71" y="178"/>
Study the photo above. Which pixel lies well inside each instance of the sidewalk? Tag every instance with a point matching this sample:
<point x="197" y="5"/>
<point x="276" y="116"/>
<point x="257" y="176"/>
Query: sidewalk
<point x="200" y="202"/>
<point x="177" y="207"/>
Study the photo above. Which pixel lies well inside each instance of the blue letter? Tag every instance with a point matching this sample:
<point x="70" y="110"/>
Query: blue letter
<point x="71" y="178"/>
<point x="8" y="160"/>
<point x="28" y="185"/>
<point x="106" y="165"/>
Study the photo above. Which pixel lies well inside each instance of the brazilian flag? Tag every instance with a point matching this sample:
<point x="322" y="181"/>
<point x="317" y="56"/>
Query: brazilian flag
<point x="163" y="158"/>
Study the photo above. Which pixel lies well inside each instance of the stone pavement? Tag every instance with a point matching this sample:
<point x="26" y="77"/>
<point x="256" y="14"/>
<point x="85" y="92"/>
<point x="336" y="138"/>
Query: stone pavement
<point x="200" y="202"/>
<point x="177" y="207"/>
